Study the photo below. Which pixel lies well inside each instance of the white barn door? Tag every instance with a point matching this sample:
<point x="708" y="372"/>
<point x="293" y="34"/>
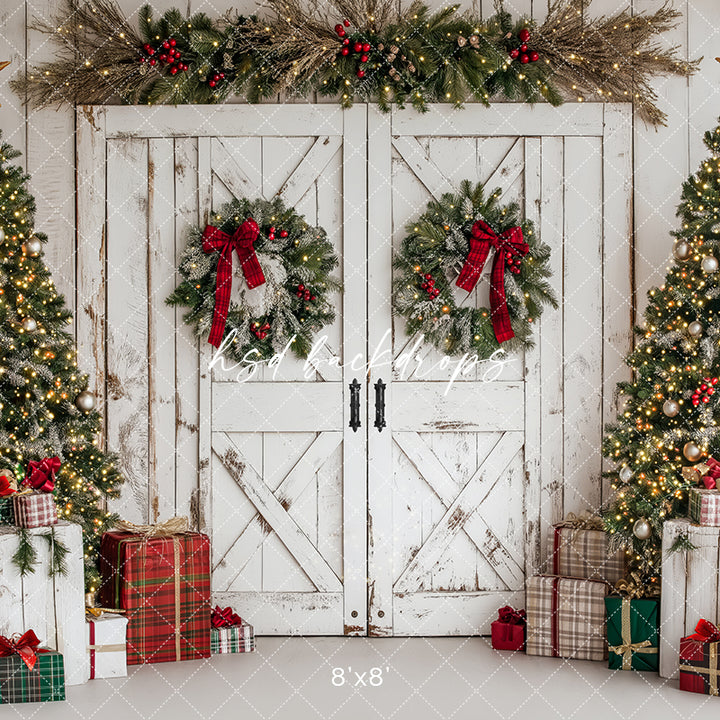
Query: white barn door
<point x="465" y="480"/>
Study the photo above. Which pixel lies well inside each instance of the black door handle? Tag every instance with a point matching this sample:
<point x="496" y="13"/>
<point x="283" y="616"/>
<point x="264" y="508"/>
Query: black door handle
<point x="354" y="404"/>
<point x="380" y="405"/>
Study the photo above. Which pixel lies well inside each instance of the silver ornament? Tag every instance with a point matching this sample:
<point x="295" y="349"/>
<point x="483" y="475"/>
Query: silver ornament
<point x="695" y="328"/>
<point x="681" y="250"/>
<point x="29" y="324"/>
<point x="642" y="529"/>
<point x="626" y="474"/>
<point x="2" y="236"/>
<point x="709" y="264"/>
<point x="85" y="401"/>
<point x="32" y="247"/>
<point x="715" y="229"/>
<point x="671" y="408"/>
<point x="691" y="451"/>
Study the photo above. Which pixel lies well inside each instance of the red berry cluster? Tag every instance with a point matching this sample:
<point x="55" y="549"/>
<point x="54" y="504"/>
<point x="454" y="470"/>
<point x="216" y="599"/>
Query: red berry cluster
<point x="359" y="48"/>
<point x="304" y="293"/>
<point x="167" y="54"/>
<point x="271" y="233"/>
<point x="260" y="331"/>
<point x="216" y="79"/>
<point x="429" y="286"/>
<point x="522" y="51"/>
<point x="513" y="262"/>
<point x="703" y="393"/>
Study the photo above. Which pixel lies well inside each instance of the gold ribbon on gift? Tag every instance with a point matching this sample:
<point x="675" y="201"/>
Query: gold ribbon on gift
<point x="119" y="647"/>
<point x="584" y="521"/>
<point x="98" y="612"/>
<point x="712" y="671"/>
<point x="628" y="647"/>
<point x="633" y="587"/>
<point x="168" y="529"/>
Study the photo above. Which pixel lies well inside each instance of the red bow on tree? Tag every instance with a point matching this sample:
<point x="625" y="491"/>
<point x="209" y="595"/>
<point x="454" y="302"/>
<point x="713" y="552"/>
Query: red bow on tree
<point x="25" y="646"/>
<point x="509" y="246"/>
<point x="241" y="241"/>
<point x="41" y="475"/>
<point x="224" y="617"/>
<point x="709" y="480"/>
<point x="509" y="615"/>
<point x="7" y="485"/>
<point x="705" y="631"/>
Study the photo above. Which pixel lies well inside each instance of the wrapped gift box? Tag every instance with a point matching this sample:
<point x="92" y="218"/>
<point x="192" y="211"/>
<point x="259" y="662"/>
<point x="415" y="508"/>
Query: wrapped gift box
<point x="632" y="632"/>
<point x="698" y="666"/>
<point x="705" y="506"/>
<point x="234" y="639"/>
<point x="54" y="607"/>
<point x="163" y="584"/>
<point x="580" y="553"/>
<point x="566" y="617"/>
<point x="7" y="511"/>
<point x="689" y="591"/>
<point x="34" y="510"/>
<point x="106" y="644"/>
<point x="506" y="636"/>
<point x="45" y="682"/>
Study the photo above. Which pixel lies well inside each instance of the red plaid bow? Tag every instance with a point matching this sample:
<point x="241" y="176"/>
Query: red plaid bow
<point x="705" y="631"/>
<point x="25" y="646"/>
<point x="242" y="241"/>
<point x="508" y="243"/>
<point x="508" y="614"/>
<point x="709" y="480"/>
<point x="41" y="475"/>
<point x="224" y="617"/>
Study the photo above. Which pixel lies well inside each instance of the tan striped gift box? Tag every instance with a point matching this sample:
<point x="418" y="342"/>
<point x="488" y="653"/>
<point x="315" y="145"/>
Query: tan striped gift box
<point x="583" y="553"/>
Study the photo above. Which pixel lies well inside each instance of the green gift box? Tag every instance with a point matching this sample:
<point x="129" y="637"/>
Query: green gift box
<point x="632" y="630"/>
<point x="45" y="682"/>
<point x="7" y="511"/>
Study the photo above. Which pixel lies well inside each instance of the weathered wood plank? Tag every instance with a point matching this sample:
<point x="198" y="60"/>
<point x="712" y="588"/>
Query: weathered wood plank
<point x="274" y="513"/>
<point x="239" y="178"/>
<point x="309" y="169"/>
<point x="13" y="43"/>
<point x="419" y="161"/>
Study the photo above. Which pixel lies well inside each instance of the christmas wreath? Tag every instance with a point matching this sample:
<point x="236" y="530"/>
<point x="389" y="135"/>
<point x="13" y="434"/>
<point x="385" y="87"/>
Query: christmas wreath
<point x="276" y="291"/>
<point x="441" y="261"/>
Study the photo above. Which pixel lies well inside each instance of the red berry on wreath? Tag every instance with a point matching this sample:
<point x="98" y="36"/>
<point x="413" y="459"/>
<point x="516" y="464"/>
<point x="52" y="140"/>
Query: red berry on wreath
<point x="166" y="44"/>
<point x="153" y="62"/>
<point x="361" y="73"/>
<point x="524" y="35"/>
<point x="212" y="83"/>
<point x="357" y="47"/>
<point x="151" y="51"/>
<point x="524" y="59"/>
<point x="514" y="53"/>
<point x="703" y="387"/>
<point x="173" y="42"/>
<point x="706" y="399"/>
<point x="363" y="58"/>
<point x="366" y="47"/>
<point x="345" y="51"/>
<point x="142" y="59"/>
<point x="313" y="297"/>
<point x="346" y="22"/>
<point x="346" y="41"/>
<point x="163" y="57"/>
<point x="428" y="276"/>
<point x="534" y="57"/>
<point x="424" y="286"/>
<point x="283" y="233"/>
<point x="146" y="47"/>
<point x="339" y="29"/>
<point x="714" y="381"/>
<point x="173" y="70"/>
<point x="523" y="48"/>
<point x="301" y="287"/>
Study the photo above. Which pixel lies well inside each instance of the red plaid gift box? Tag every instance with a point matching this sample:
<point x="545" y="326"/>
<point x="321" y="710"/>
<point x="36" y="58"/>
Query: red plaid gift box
<point x="34" y="510"/>
<point x="699" y="660"/>
<point x="163" y="584"/>
<point x="705" y="506"/>
<point x="566" y="617"/>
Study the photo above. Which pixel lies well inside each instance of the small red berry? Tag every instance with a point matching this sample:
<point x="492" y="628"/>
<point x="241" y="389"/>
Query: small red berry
<point x="346" y="41"/>
<point x="283" y="233"/>
<point x="361" y="73"/>
<point x="366" y="47"/>
<point x="524" y="59"/>
<point x="711" y="391"/>
<point x="524" y="35"/>
<point x="523" y="48"/>
<point x="147" y="47"/>
<point x="534" y="57"/>
<point x="173" y="42"/>
<point x="424" y="285"/>
<point x="706" y="399"/>
<point x="142" y="59"/>
<point x="313" y="297"/>
<point x="301" y="287"/>
<point x="153" y="61"/>
<point x="212" y="83"/>
<point x="345" y="51"/>
<point x="514" y="53"/>
<point x="166" y="44"/>
<point x="363" y="58"/>
<point x="173" y="70"/>
<point x="172" y="60"/>
<point x="357" y="47"/>
<point x="339" y="28"/>
<point x="151" y="51"/>
<point x="222" y="76"/>
<point x="346" y="22"/>
<point x="714" y="381"/>
<point x="163" y="57"/>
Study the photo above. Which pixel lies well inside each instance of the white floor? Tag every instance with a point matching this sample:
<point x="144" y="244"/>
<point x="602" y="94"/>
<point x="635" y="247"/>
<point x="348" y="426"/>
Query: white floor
<point x="422" y="679"/>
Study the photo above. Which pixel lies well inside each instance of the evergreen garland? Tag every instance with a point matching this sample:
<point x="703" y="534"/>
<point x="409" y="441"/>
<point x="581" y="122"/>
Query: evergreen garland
<point x="291" y="306"/>
<point x="437" y="246"/>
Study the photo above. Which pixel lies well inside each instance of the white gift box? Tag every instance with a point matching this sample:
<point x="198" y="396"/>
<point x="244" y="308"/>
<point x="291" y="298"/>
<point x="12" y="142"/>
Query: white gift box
<point x="689" y="589"/>
<point x="54" y="608"/>
<point x="106" y="644"/>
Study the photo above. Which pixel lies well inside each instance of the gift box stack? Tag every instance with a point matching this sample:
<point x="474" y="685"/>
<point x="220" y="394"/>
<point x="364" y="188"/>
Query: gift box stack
<point x="566" y="614"/>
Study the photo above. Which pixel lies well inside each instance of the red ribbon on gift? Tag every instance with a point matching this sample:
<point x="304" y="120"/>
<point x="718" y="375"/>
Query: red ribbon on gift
<point x="508" y="243"/>
<point x="41" y="475"/>
<point x="224" y="617"/>
<point x="24" y="645"/>
<point x="706" y="632"/>
<point x="242" y="241"/>
<point x="709" y="480"/>
<point x="6" y="486"/>
<point x="511" y="616"/>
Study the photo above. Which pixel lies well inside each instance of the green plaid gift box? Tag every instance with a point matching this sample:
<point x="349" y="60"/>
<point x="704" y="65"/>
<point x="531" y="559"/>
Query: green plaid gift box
<point x="45" y="682"/>
<point x="7" y="511"/>
<point x="234" y="639"/>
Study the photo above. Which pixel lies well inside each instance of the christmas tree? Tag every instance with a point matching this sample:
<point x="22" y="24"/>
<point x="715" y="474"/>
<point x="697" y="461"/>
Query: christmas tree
<point x="670" y="415"/>
<point x="46" y="409"/>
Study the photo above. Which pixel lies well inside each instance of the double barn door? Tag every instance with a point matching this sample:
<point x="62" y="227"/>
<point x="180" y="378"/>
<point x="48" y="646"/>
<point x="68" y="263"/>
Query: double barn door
<point x="424" y="526"/>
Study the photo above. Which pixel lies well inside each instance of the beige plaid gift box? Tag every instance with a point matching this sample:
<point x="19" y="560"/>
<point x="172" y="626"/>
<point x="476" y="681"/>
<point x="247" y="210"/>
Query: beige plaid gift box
<point x="705" y="506"/>
<point x="583" y="553"/>
<point x="566" y="617"/>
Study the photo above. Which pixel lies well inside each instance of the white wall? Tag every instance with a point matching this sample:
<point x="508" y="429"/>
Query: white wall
<point x="662" y="158"/>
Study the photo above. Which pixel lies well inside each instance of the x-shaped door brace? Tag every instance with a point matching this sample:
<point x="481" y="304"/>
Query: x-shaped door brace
<point x="460" y="510"/>
<point x="272" y="511"/>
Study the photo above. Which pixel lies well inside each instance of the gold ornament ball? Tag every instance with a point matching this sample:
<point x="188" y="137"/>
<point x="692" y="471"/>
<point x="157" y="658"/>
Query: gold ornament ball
<point x="681" y="250"/>
<point x="671" y="408"/>
<point x="695" y="328"/>
<point x="85" y="401"/>
<point x="29" y="324"/>
<point x="642" y="529"/>
<point x="691" y="451"/>
<point x="709" y="264"/>
<point x="32" y="247"/>
<point x="626" y="474"/>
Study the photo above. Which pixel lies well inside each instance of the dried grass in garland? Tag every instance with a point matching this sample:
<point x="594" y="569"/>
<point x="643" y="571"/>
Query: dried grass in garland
<point x="416" y="56"/>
